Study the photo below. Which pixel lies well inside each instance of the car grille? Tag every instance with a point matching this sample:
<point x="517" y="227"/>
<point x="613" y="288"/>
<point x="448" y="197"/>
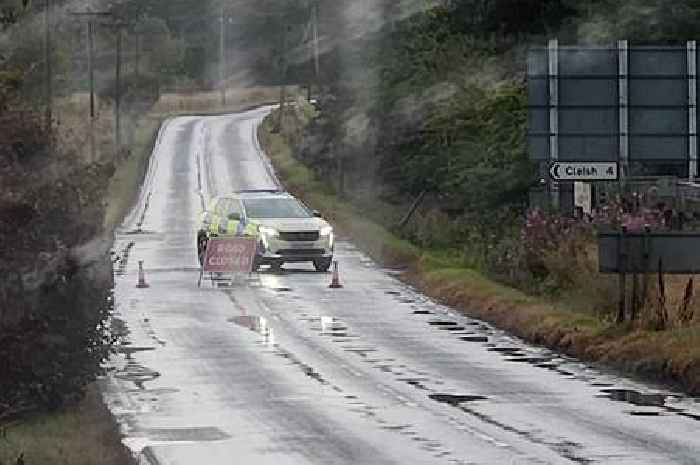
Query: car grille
<point x="304" y="252"/>
<point x="301" y="236"/>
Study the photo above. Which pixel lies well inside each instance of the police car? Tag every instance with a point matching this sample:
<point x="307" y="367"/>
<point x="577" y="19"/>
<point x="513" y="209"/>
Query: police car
<point x="287" y="231"/>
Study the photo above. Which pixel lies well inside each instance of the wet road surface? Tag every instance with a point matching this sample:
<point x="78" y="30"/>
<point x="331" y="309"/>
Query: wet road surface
<point x="276" y="368"/>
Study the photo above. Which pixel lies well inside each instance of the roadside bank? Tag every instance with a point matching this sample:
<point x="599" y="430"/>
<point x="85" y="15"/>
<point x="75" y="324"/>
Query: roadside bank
<point x="671" y="356"/>
<point x="85" y="434"/>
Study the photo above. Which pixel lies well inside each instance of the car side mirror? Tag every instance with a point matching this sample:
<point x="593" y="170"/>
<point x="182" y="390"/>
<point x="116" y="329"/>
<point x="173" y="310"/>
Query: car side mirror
<point x="316" y="213"/>
<point x="234" y="216"/>
<point x="206" y="218"/>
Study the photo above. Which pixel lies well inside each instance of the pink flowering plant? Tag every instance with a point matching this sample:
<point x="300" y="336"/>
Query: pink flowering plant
<point x="560" y="253"/>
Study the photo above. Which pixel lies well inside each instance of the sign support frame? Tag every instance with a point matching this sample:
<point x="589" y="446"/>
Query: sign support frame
<point x="692" y="111"/>
<point x="553" y="83"/>
<point x="623" y="110"/>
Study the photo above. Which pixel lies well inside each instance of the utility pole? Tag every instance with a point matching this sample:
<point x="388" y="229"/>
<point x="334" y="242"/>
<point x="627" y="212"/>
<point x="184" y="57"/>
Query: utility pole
<point x="117" y="90"/>
<point x="283" y="75"/>
<point x="222" y="58"/>
<point x="137" y="68"/>
<point x="90" y="51"/>
<point x="317" y="67"/>
<point x="49" y="78"/>
<point x="91" y="76"/>
<point x="312" y="28"/>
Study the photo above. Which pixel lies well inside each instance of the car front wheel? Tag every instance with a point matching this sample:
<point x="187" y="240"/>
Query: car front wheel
<point x="323" y="264"/>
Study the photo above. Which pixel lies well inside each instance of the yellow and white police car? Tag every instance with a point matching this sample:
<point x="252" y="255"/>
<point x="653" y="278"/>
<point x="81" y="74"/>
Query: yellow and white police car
<point x="287" y="231"/>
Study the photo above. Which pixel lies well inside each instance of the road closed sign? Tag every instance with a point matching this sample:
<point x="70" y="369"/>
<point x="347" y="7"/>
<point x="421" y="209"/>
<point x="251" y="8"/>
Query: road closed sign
<point x="229" y="255"/>
<point x="583" y="171"/>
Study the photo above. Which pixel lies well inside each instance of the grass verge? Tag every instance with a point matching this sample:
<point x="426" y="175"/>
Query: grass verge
<point x="671" y="356"/>
<point x="84" y="435"/>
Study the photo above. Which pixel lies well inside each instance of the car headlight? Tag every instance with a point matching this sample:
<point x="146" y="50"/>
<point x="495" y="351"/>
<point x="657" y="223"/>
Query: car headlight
<point x="271" y="232"/>
<point x="327" y="232"/>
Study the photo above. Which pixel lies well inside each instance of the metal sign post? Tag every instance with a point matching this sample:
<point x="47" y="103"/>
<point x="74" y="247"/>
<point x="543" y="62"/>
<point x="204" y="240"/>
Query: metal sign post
<point x="553" y="73"/>
<point x="692" y="111"/>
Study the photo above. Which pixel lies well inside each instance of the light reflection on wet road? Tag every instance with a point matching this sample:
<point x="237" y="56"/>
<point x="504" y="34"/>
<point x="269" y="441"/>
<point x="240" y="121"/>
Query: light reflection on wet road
<point x="279" y="369"/>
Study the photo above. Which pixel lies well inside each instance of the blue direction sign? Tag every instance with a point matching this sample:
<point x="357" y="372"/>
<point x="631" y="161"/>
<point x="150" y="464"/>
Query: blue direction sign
<point x="583" y="171"/>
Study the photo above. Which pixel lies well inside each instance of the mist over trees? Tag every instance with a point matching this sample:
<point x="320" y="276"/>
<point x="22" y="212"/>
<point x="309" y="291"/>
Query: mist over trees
<point x="431" y="97"/>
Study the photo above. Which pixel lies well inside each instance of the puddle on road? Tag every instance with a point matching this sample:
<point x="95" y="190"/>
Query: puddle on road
<point x="510" y="351"/>
<point x="136" y="373"/>
<point x="455" y="399"/>
<point x="642" y="413"/>
<point x="416" y="383"/>
<point x="639" y="399"/>
<point x="396" y="427"/>
<point x="361" y="351"/>
<point x="635" y="397"/>
<point x="530" y="360"/>
<point x="442" y="323"/>
<point x="546" y="361"/>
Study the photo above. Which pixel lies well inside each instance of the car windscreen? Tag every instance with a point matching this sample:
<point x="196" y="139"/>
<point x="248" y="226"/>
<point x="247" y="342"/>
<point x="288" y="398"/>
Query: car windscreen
<point x="275" y="208"/>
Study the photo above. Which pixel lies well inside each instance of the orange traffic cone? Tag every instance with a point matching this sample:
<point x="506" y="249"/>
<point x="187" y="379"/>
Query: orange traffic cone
<point x="142" y="277"/>
<point x="335" y="283"/>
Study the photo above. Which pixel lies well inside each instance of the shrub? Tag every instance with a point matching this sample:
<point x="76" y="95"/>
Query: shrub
<point x="57" y="348"/>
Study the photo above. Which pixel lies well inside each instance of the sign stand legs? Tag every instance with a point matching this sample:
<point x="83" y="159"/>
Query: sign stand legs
<point x="622" y="260"/>
<point x="634" y="311"/>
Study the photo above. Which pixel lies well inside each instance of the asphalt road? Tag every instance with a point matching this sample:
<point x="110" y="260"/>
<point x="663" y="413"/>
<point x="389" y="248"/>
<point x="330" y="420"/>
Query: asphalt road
<point x="280" y="369"/>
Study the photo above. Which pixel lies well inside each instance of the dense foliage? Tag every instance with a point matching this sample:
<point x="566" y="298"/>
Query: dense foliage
<point x="433" y="100"/>
<point x="54" y="300"/>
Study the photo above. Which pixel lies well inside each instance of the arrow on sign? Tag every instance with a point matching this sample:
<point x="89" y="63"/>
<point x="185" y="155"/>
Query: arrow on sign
<point x="583" y="171"/>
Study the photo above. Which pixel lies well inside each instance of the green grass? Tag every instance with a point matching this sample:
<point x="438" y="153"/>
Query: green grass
<point x="84" y="435"/>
